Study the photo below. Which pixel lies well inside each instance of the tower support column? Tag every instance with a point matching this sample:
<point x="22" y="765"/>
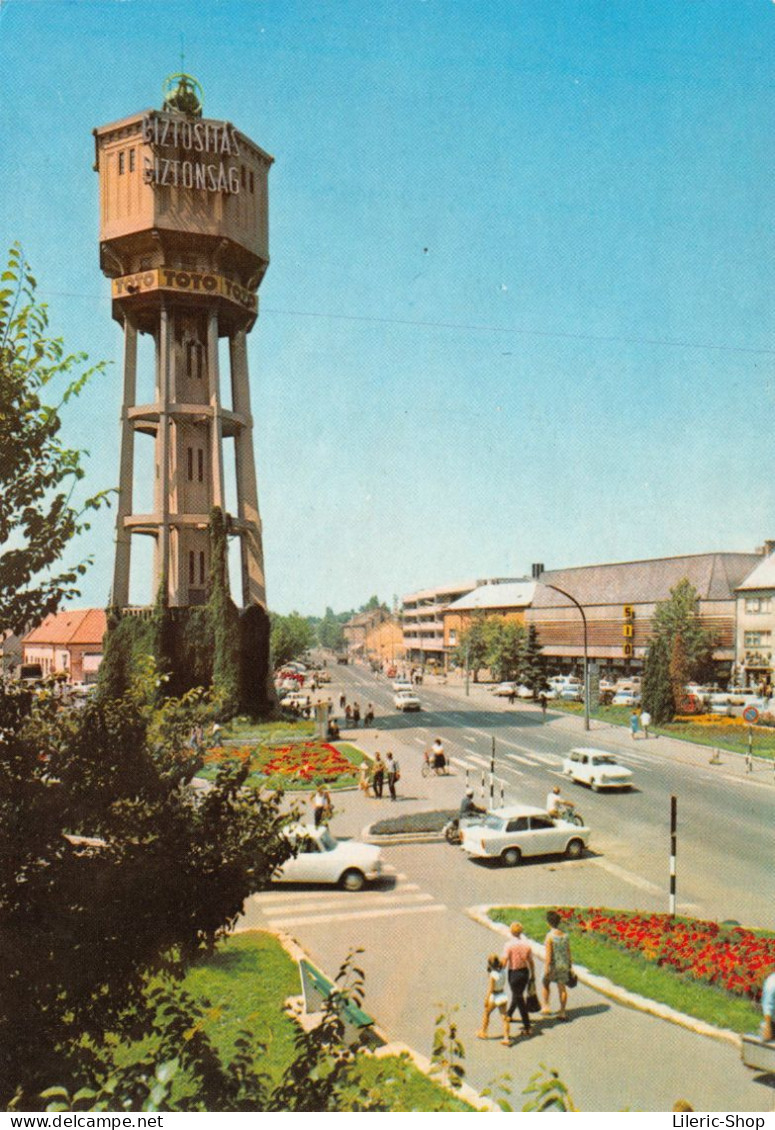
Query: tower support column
<point x="251" y="547"/>
<point x="121" y="569"/>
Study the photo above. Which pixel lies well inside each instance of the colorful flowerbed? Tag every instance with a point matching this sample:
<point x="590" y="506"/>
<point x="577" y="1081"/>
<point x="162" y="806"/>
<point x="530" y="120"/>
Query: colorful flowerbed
<point x="300" y="763"/>
<point x="729" y="957"/>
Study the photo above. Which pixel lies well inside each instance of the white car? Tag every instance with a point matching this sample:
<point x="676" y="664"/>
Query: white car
<point x="406" y="700"/>
<point x="505" y="689"/>
<point x="625" y="698"/>
<point x="596" y="768"/>
<point x="322" y="858"/>
<point x="510" y="833"/>
<point x="401" y="684"/>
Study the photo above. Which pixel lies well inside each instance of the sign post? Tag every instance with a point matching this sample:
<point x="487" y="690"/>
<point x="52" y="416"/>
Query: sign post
<point x="673" y="849"/>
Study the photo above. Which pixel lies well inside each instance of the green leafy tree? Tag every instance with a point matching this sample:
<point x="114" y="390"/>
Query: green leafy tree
<point x="657" y="690"/>
<point x="330" y="634"/>
<point x="111" y="868"/>
<point x="474" y="645"/>
<point x="39" y="475"/>
<point x="291" y="636"/>
<point x="681" y="649"/>
<point x="506" y="650"/>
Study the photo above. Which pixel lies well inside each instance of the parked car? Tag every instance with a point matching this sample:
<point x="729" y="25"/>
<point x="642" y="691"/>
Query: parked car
<point x="406" y="700"/>
<point x="505" y="690"/>
<point x="596" y="768"/>
<point x="510" y="833"/>
<point x="625" y="698"/>
<point x="322" y="858"/>
<point x="691" y="704"/>
<point x="570" y="693"/>
<point x="524" y="692"/>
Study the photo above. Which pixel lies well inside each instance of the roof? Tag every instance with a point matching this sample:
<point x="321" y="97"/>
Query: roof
<point x="763" y="576"/>
<point x="512" y="810"/>
<point x="84" y="626"/>
<point x="508" y="594"/>
<point x="715" y="576"/>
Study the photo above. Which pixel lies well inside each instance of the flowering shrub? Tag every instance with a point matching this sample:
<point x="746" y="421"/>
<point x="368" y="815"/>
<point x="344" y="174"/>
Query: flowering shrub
<point x="729" y="957"/>
<point x="299" y="761"/>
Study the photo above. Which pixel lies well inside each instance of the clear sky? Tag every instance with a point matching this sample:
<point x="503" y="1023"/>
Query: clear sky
<point x="520" y="303"/>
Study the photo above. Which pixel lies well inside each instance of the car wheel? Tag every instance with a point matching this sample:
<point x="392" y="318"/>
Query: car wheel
<point x="352" y="880"/>
<point x="512" y="856"/>
<point x="575" y="849"/>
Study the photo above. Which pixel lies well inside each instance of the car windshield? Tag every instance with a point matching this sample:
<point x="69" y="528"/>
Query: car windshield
<point x="493" y="822"/>
<point x="327" y="841"/>
<point x="604" y="760"/>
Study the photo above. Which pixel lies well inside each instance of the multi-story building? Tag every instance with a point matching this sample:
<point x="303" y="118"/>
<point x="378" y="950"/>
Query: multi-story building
<point x="507" y="599"/>
<point x="619" y="601"/>
<point x="423" y="623"/>
<point x="756" y="624"/>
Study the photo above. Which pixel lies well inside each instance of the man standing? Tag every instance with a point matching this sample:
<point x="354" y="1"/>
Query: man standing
<point x="518" y="960"/>
<point x="378" y="776"/>
<point x="393" y="774"/>
<point x="645" y="722"/>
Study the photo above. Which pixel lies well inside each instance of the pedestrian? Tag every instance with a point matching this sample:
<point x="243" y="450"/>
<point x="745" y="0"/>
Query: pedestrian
<point x="512" y="695"/>
<point x="321" y="804"/>
<point x="393" y="774"/>
<point x="634" y="724"/>
<point x="438" y="755"/>
<point x="378" y="776"/>
<point x="356" y="714"/>
<point x="768" y="1008"/>
<point x="497" y="997"/>
<point x="364" y="778"/>
<point x="645" y="722"/>
<point x="342" y="700"/>
<point x="557" y="964"/>
<point x="518" y="959"/>
<point x="368" y="717"/>
<point x="348" y="714"/>
<point x="542" y="700"/>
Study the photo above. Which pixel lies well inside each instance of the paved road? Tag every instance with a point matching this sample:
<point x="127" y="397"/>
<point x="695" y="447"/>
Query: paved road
<point x="423" y="951"/>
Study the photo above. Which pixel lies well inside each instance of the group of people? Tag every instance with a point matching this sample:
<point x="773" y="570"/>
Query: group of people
<point x="352" y="712"/>
<point x="373" y="775"/>
<point x="640" y="720"/>
<point x="515" y="969"/>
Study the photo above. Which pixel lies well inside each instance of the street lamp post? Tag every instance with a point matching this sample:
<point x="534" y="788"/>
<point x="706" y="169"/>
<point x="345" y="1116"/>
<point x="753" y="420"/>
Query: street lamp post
<point x="586" y="653"/>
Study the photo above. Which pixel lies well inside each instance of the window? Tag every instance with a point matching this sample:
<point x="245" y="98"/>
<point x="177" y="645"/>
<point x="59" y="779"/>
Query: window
<point x="538" y="822"/>
<point x="758" y="604"/>
<point x="201" y="567"/>
<point x="252" y="183"/>
<point x="200" y="465"/>
<point x="191" y="572"/>
<point x="121" y="162"/>
<point x="131" y="160"/>
<point x="190" y="463"/>
<point x="518" y="825"/>
<point x="452" y="636"/>
<point x="757" y="639"/>
<point x="194" y="357"/>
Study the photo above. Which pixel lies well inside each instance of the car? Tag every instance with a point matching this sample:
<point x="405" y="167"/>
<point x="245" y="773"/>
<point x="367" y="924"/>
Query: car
<point x="570" y="693"/>
<point x="625" y="698"/>
<point x="406" y="700"/>
<point x="402" y="684"/>
<point x="505" y="689"/>
<point x="322" y="858"/>
<point x="296" y="699"/>
<point x="508" y="834"/>
<point x="596" y="768"/>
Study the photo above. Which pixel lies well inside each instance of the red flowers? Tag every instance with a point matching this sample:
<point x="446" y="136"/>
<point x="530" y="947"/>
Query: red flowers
<point x="301" y="761"/>
<point x="729" y="957"/>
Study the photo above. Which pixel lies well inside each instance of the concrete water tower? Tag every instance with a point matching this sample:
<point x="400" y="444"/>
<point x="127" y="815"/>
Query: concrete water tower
<point x="184" y="240"/>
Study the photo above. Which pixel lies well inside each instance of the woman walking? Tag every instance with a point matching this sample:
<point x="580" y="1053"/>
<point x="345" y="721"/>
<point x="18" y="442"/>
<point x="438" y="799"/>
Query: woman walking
<point x="557" y="967"/>
<point x="497" y="997"/>
<point x="518" y="959"/>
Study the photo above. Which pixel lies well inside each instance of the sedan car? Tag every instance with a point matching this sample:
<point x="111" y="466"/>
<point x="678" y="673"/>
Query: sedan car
<point x="625" y="698"/>
<point x="406" y="700"/>
<point x="321" y="858"/>
<point x="402" y="684"/>
<point x="505" y="689"/>
<point x="596" y="768"/>
<point x="510" y="833"/>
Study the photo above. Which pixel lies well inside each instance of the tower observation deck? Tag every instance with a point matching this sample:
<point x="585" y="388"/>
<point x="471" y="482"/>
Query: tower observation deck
<point x="184" y="241"/>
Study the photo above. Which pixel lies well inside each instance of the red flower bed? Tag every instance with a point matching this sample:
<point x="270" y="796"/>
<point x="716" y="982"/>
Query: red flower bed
<point x="729" y="957"/>
<point x="301" y="761"/>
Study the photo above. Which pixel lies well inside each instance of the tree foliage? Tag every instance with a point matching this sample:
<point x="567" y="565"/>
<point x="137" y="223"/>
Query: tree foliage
<point x="291" y="636"/>
<point x="39" y="475"/>
<point x="111" y="867"/>
<point x="509" y="650"/>
<point x="330" y="632"/>
<point x="681" y="650"/>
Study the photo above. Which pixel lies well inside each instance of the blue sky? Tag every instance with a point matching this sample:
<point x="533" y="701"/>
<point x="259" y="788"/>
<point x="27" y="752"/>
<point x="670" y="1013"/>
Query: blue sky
<point x="520" y="303"/>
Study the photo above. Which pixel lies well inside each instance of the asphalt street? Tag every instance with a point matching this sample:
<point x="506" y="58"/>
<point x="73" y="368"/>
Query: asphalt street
<point x="424" y="954"/>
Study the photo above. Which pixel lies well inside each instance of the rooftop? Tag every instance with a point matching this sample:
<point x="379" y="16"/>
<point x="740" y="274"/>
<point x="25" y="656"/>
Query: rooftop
<point x="84" y="626"/>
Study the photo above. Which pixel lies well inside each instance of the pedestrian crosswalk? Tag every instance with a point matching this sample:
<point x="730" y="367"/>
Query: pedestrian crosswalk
<point x="282" y="908"/>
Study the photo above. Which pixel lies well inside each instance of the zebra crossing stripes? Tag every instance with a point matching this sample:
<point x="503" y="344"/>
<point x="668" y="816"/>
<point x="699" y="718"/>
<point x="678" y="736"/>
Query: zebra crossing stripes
<point x="321" y="905"/>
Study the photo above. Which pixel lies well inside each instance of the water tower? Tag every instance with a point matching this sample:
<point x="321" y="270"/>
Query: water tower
<point x="184" y="240"/>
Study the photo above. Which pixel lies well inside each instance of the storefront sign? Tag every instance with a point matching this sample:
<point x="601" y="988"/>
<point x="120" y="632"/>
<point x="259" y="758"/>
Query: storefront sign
<point x="187" y="282"/>
<point x="208" y="143"/>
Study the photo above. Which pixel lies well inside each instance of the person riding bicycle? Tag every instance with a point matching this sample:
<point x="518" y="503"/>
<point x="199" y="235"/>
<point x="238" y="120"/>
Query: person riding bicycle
<point x="437" y="754"/>
<point x="467" y="806"/>
<point x="557" y="805"/>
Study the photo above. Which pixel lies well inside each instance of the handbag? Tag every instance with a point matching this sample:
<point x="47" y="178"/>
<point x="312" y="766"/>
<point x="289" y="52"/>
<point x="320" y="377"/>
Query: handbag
<point x="572" y="980"/>
<point x="532" y="1003"/>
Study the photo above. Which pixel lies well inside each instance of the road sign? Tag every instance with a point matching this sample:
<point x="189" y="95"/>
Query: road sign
<point x="751" y="714"/>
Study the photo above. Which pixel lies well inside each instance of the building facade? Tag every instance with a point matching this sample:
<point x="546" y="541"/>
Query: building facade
<point x="507" y="599"/>
<point x="68" y="644"/>
<point x="755" y="636"/>
<point x="422" y="618"/>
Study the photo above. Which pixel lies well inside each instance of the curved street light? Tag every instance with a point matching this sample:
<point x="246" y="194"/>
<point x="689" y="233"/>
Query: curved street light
<point x="586" y="656"/>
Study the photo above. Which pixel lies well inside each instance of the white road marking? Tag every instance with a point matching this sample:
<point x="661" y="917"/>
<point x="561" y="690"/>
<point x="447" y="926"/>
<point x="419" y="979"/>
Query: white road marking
<point x="478" y="760"/>
<point x="311" y="919"/>
<point x="343" y="902"/>
<point x="420" y="741"/>
<point x="521" y="760"/>
<point x="628" y="876"/>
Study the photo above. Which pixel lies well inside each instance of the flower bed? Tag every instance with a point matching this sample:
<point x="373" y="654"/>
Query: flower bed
<point x="727" y="957"/>
<point x="296" y="765"/>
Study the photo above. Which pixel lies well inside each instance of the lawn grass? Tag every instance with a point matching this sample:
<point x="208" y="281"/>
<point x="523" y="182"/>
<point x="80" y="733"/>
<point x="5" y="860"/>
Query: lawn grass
<point x="637" y="975"/>
<point x="729" y="734"/>
<point x="267" y="733"/>
<point x="247" y="982"/>
<point x="260" y="754"/>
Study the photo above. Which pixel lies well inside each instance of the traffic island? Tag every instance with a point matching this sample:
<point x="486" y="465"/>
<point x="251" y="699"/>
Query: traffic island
<point x="411" y="828"/>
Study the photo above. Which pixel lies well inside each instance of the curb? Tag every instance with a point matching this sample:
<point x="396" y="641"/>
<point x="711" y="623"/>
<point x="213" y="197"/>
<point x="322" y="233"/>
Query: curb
<point x="616" y="992"/>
